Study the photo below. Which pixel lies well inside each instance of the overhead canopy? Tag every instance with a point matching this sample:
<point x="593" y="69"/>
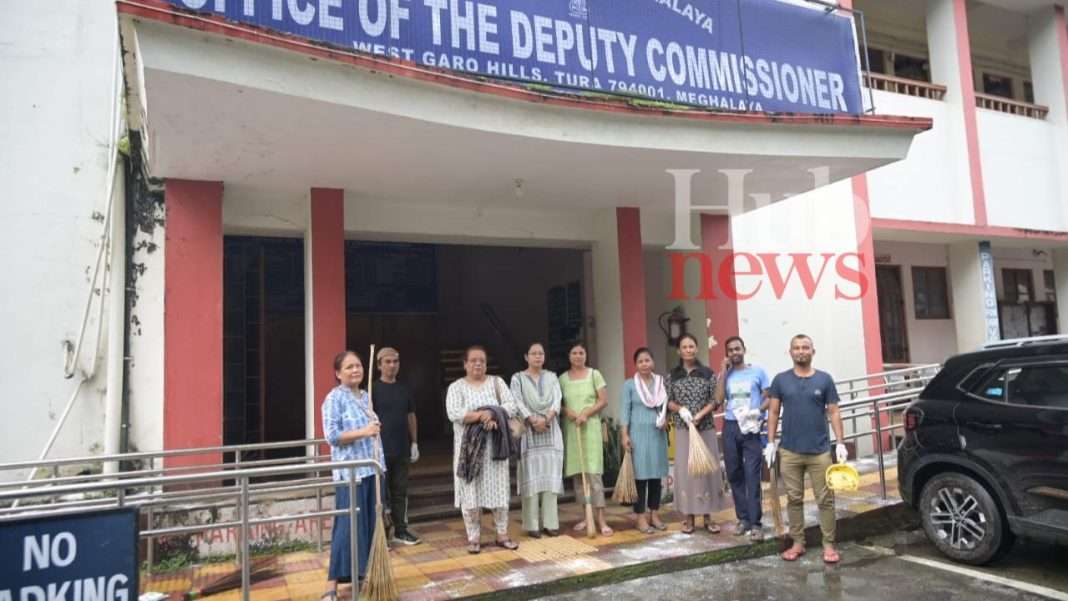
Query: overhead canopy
<point x="225" y="103"/>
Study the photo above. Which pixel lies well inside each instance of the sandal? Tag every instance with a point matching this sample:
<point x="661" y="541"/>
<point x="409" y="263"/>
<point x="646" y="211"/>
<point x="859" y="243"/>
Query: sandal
<point x="474" y="548"/>
<point x="331" y="595"/>
<point x="687" y="528"/>
<point x="580" y="527"/>
<point x="606" y="531"/>
<point x="712" y="527"/>
<point x="508" y="544"/>
<point x="831" y="556"/>
<point x="661" y="526"/>
<point x="792" y="554"/>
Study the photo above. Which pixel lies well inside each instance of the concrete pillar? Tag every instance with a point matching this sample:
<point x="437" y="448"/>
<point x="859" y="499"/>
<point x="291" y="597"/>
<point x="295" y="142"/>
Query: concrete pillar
<point x="608" y="307"/>
<point x="631" y="284"/>
<point x="951" y="65"/>
<point x="1048" y="42"/>
<point x="324" y="286"/>
<point x="722" y="308"/>
<point x="974" y="295"/>
<point x="193" y="320"/>
<point x="1060" y="275"/>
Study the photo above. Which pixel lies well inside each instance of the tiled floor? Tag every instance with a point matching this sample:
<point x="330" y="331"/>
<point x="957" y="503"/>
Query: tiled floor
<point x="440" y="567"/>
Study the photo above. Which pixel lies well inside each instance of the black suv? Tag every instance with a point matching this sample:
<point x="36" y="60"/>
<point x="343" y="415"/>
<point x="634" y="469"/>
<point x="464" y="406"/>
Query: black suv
<point x="985" y="454"/>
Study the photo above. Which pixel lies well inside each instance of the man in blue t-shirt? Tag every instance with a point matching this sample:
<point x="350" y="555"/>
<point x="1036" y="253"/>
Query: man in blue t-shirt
<point x="744" y="387"/>
<point x="807" y="397"/>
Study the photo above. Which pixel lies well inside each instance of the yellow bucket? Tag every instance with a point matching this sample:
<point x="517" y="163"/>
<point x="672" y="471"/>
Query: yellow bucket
<point x="842" y="476"/>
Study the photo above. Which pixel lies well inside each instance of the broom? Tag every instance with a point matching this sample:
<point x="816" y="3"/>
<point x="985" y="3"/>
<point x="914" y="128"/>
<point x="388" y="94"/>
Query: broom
<point x="590" y="533"/>
<point x="700" y="461"/>
<point x="379" y="584"/>
<point x="776" y="511"/>
<point x="626" y="491"/>
<point x="260" y="570"/>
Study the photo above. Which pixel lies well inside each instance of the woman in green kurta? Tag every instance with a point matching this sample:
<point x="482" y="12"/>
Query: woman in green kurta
<point x="584" y="399"/>
<point x="643" y="417"/>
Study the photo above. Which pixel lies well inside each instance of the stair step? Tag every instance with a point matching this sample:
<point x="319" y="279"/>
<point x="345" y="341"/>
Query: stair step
<point x="441" y="511"/>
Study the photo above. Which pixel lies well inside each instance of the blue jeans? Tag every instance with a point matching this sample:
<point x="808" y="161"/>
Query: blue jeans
<point x="340" y="546"/>
<point x="743" y="456"/>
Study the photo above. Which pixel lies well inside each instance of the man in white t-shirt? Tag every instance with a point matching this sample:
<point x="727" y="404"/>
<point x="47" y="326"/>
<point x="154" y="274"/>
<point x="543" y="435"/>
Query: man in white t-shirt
<point x="744" y="387"/>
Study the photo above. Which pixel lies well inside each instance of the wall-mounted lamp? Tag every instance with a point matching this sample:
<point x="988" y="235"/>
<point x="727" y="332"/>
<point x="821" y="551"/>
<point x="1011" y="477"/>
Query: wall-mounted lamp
<point x="673" y="324"/>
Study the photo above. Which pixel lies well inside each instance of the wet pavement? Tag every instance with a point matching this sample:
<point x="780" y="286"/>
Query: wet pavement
<point x="869" y="571"/>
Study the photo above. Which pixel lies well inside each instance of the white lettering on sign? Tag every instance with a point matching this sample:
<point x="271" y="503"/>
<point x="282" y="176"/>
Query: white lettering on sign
<point x="43" y="553"/>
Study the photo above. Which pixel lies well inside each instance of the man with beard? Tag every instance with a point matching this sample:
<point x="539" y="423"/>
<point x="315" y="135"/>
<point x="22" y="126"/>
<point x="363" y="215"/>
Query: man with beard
<point x="807" y="397"/>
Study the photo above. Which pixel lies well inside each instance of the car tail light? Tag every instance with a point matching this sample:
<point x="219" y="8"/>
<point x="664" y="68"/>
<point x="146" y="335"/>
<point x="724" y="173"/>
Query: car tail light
<point x="913" y="417"/>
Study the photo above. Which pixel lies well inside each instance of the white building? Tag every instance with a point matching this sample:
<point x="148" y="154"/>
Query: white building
<point x="307" y="198"/>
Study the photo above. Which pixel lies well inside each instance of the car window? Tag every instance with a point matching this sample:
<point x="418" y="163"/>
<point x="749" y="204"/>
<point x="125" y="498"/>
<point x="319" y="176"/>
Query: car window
<point x="994" y="387"/>
<point x="1040" y="386"/>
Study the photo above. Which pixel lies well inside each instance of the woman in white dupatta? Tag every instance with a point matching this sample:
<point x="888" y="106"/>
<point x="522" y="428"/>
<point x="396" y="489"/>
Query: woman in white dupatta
<point x="541" y="462"/>
<point x="643" y="417"/>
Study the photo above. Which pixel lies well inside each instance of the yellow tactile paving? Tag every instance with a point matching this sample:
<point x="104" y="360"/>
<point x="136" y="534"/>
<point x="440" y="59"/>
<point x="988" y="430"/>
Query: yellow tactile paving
<point x="274" y="593"/>
<point x="411" y="583"/>
<point x="231" y="595"/>
<point x="169" y="585"/>
<point x="306" y="576"/>
<point x="553" y="548"/>
<point x="306" y="590"/>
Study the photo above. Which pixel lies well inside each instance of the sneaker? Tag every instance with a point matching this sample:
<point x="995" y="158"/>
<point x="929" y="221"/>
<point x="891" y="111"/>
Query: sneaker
<point x="741" y="529"/>
<point x="756" y="534"/>
<point x="407" y="538"/>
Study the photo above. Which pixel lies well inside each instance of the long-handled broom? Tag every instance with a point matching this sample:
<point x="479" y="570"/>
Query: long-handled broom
<point x="380" y="584"/>
<point x="776" y="510"/>
<point x="700" y="462"/>
<point x="590" y="532"/>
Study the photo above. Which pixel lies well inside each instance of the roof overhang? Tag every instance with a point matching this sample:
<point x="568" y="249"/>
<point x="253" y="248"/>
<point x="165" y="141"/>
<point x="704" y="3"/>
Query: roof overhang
<point x="225" y="102"/>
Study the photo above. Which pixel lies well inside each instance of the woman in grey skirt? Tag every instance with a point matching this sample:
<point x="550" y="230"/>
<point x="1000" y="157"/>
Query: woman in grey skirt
<point x="690" y="396"/>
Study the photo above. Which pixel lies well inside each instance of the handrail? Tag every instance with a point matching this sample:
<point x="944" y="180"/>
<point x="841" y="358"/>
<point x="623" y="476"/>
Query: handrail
<point x="901" y="85"/>
<point x="892" y="372"/>
<point x="1008" y="105"/>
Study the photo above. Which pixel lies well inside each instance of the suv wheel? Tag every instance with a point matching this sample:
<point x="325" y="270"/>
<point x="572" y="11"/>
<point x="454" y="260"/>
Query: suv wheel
<point x="962" y="519"/>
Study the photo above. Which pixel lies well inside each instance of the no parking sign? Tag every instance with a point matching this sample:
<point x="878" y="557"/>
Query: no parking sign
<point x="80" y="557"/>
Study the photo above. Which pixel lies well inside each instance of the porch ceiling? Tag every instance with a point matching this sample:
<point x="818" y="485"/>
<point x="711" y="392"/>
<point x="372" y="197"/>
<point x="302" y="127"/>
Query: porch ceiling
<point x="217" y="108"/>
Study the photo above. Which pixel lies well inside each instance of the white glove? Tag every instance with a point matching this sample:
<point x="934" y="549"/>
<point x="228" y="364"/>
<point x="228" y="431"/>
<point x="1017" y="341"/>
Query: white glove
<point x="769" y="453"/>
<point x="841" y="453"/>
<point x="415" y="452"/>
<point x="686" y="416"/>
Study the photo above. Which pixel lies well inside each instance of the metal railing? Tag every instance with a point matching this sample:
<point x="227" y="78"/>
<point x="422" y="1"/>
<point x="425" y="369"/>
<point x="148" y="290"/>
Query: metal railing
<point x="133" y="489"/>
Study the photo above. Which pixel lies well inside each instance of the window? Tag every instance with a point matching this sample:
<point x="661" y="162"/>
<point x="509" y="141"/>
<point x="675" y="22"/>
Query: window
<point x="929" y="292"/>
<point x="877" y="61"/>
<point x="994" y="388"/>
<point x="997" y="85"/>
<point x="1040" y="386"/>
<point x="911" y="67"/>
<point x="1051" y="286"/>
<point x="1019" y="287"/>
<point x="1029" y="92"/>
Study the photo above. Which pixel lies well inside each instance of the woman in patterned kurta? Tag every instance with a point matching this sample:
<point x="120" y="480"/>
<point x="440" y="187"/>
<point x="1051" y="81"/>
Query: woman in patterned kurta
<point x="490" y="488"/>
<point x="352" y="429"/>
<point x="541" y="461"/>
<point x="642" y="415"/>
<point x="584" y="399"/>
<point x="690" y="395"/>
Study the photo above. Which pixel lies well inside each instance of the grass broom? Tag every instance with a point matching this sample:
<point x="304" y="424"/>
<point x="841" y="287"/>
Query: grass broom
<point x="379" y="584"/>
<point x="260" y="570"/>
<point x="700" y="462"/>
<point x="590" y="532"/>
<point x="626" y="491"/>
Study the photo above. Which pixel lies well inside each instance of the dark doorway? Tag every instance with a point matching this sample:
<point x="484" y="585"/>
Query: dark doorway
<point x="263" y="352"/>
<point x="893" y="328"/>
<point x="432" y="301"/>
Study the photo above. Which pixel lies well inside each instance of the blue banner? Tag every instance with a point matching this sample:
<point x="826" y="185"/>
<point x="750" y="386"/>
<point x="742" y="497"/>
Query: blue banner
<point x="743" y="55"/>
<point x="82" y="556"/>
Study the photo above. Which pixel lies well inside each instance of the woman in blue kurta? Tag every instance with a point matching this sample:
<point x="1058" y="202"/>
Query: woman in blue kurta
<point x="643" y="415"/>
<point x="352" y="429"/>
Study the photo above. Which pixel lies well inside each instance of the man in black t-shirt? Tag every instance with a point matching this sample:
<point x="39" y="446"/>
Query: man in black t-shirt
<point x="396" y="411"/>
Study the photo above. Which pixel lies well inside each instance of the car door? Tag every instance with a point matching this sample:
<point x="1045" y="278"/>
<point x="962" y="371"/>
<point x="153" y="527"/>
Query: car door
<point x="1015" y="424"/>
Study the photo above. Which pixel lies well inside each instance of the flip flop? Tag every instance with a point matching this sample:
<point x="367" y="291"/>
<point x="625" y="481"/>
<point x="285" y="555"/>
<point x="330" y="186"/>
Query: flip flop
<point x="713" y="528"/>
<point x="687" y="528"/>
<point x="661" y="526"/>
<point x="508" y="544"/>
<point x="831" y="556"/>
<point x="331" y="595"/>
<point x="580" y="527"/>
<point x="606" y="531"/>
<point x="792" y="554"/>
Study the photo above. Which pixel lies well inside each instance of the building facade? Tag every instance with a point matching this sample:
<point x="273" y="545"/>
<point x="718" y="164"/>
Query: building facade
<point x="258" y="201"/>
